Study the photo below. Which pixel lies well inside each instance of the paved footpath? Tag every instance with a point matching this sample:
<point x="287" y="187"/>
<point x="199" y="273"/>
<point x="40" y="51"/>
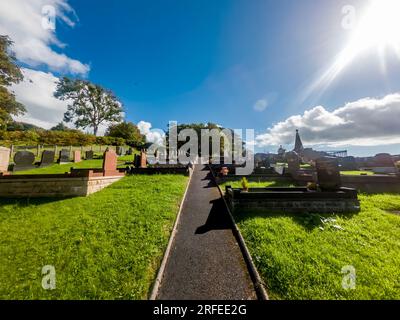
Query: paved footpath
<point x="205" y="261"/>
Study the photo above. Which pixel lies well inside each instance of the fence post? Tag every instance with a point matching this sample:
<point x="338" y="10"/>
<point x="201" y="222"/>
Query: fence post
<point x="70" y="151"/>
<point x="11" y="151"/>
<point x="38" y="150"/>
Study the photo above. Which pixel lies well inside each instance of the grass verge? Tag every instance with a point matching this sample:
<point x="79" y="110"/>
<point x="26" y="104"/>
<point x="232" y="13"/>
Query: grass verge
<point x="302" y="256"/>
<point x="105" y="246"/>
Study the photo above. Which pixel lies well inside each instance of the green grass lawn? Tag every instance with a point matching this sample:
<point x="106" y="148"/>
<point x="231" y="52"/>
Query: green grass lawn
<point x="301" y="257"/>
<point x="256" y="184"/>
<point x="105" y="246"/>
<point x="357" y="173"/>
<point x="62" y="168"/>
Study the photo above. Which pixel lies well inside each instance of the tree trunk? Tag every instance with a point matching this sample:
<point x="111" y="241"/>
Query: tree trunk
<point x="95" y="129"/>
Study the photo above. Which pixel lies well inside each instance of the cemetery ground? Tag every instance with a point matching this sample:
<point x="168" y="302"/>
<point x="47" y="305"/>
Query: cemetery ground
<point x="301" y="256"/>
<point x="105" y="246"/>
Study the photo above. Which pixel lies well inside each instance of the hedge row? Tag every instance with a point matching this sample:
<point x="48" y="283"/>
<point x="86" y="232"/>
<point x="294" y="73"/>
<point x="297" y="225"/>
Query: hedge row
<point x="62" y="138"/>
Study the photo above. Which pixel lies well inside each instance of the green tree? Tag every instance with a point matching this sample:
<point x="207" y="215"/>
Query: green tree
<point x="91" y="104"/>
<point x="60" y="127"/>
<point x="9" y="73"/>
<point x="127" y="131"/>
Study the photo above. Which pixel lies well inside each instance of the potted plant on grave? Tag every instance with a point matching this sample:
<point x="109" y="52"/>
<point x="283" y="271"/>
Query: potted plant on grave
<point x="245" y="185"/>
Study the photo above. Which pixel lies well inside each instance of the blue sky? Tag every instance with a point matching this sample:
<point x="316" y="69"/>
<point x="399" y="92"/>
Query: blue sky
<point x="200" y="61"/>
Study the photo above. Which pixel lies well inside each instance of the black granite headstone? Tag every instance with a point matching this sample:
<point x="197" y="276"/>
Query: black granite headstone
<point x="120" y="151"/>
<point x="47" y="158"/>
<point x="328" y="173"/>
<point x="64" y="156"/>
<point x="24" y="160"/>
<point x="89" y="155"/>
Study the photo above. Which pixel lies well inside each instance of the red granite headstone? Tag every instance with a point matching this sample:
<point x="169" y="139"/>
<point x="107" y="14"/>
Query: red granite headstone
<point x="143" y="159"/>
<point x="77" y="156"/>
<point x="110" y="162"/>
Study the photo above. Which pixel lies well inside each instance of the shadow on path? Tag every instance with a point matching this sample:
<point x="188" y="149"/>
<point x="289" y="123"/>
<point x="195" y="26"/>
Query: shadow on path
<point x="218" y="219"/>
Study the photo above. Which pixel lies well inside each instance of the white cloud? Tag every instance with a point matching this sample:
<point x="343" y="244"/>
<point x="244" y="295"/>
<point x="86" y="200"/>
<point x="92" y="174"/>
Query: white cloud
<point x="260" y="105"/>
<point x="33" y="44"/>
<point x="152" y="135"/>
<point x="36" y="93"/>
<point x="366" y="122"/>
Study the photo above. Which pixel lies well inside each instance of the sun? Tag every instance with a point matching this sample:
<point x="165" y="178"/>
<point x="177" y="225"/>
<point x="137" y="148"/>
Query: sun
<point x="378" y="28"/>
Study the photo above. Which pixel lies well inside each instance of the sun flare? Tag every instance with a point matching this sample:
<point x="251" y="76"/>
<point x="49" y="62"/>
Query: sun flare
<point x="377" y="28"/>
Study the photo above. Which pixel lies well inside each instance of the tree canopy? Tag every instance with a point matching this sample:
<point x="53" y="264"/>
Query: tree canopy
<point x="128" y="131"/>
<point x="90" y="104"/>
<point x="9" y="73"/>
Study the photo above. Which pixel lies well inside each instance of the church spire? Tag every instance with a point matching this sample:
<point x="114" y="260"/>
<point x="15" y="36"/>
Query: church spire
<point x="298" y="146"/>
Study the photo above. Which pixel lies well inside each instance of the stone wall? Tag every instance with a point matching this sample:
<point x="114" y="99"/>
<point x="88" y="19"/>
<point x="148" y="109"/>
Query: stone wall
<point x="292" y="200"/>
<point x="373" y="184"/>
<point x="51" y="186"/>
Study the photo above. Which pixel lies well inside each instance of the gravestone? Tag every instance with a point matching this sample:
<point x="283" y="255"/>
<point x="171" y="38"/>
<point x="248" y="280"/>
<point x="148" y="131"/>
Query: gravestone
<point x="120" y="151"/>
<point x="89" y="155"/>
<point x="77" y="156"/>
<point x="383" y="160"/>
<point x="136" y="161"/>
<point x="328" y="173"/>
<point x="143" y="159"/>
<point x="384" y="164"/>
<point x="64" y="156"/>
<point x="4" y="159"/>
<point x="129" y="152"/>
<point x="348" y="164"/>
<point x="110" y="162"/>
<point x="293" y="163"/>
<point x="24" y="160"/>
<point x="47" y="158"/>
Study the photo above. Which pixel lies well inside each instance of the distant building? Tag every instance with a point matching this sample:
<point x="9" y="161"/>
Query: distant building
<point x="298" y="145"/>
